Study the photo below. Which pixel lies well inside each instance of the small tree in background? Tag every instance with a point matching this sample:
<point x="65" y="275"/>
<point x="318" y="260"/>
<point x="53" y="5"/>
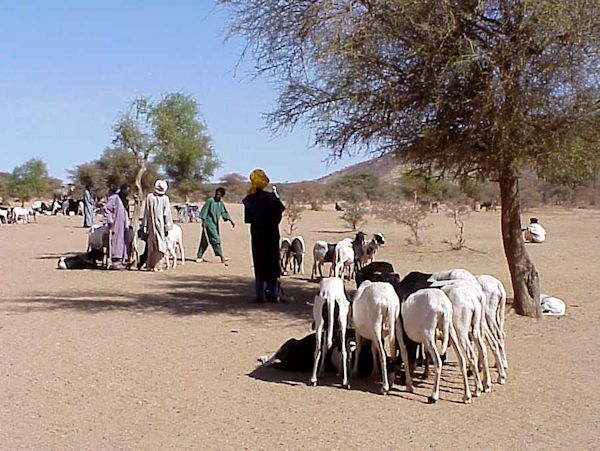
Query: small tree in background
<point x="354" y="216"/>
<point x="458" y="213"/>
<point x="29" y="180"/>
<point x="409" y="215"/>
<point x="293" y="215"/>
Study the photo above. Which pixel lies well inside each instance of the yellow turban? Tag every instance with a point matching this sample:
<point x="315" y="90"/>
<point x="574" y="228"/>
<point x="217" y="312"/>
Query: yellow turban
<point x="258" y="180"/>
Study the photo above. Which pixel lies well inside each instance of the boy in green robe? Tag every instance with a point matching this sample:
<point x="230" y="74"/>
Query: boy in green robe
<point x="211" y="212"/>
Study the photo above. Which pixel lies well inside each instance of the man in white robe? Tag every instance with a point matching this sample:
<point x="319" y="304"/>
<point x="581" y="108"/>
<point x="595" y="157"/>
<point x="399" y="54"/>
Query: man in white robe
<point x="535" y="233"/>
<point x="158" y="222"/>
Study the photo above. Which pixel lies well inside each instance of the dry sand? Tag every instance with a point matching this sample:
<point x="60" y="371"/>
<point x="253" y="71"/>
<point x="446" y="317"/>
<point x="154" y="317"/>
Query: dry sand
<point x="136" y="360"/>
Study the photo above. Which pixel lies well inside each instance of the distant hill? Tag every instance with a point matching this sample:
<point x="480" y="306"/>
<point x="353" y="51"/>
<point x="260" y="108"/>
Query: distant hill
<point x="387" y="167"/>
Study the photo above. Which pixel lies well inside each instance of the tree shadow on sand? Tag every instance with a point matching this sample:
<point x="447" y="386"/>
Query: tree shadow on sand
<point x="181" y="296"/>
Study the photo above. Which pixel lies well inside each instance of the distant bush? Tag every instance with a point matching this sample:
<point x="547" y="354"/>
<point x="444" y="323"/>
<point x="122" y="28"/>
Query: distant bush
<point x="354" y="216"/>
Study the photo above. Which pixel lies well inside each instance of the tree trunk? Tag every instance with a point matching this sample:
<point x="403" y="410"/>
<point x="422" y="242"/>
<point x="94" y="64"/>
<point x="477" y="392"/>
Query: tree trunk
<point x="137" y="209"/>
<point x="524" y="276"/>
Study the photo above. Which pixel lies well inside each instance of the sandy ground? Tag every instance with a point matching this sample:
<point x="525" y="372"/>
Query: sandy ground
<point x="135" y="360"/>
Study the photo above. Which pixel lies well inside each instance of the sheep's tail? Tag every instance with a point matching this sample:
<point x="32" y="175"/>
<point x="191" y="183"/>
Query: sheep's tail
<point x="330" y="320"/>
<point x="501" y="312"/>
<point x="392" y="317"/>
<point x="446" y="325"/>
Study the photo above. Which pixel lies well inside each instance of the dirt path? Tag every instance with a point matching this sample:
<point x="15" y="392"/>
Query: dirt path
<point x="134" y="360"/>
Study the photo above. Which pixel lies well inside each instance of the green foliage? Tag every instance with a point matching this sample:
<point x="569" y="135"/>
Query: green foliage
<point x="356" y="187"/>
<point x="427" y="187"/>
<point x="29" y="180"/>
<point x="184" y="148"/>
<point x="114" y="168"/>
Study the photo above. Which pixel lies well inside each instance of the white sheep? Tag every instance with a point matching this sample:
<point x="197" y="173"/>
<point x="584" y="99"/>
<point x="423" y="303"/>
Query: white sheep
<point x="423" y="313"/>
<point x="467" y="304"/>
<point x="174" y="241"/>
<point x="331" y="294"/>
<point x="495" y="310"/>
<point x="453" y="275"/>
<point x="344" y="258"/>
<point x="375" y="308"/>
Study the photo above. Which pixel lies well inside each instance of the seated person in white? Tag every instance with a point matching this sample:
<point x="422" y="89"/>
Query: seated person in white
<point x="535" y="233"/>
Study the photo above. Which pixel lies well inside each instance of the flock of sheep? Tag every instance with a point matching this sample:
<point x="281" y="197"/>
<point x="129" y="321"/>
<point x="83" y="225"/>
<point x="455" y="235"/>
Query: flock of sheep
<point x="460" y="309"/>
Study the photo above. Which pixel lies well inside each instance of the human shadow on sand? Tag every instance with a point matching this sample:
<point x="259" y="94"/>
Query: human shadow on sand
<point x="176" y="295"/>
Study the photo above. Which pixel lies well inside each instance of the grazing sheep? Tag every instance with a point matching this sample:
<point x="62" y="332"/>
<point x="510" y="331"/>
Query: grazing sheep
<point x="330" y="305"/>
<point x="284" y="254"/>
<point x="323" y="252"/>
<point x="375" y="306"/>
<point x="423" y="313"/>
<point x="297" y="254"/>
<point x="344" y="258"/>
<point x="495" y="310"/>
<point x="467" y="303"/>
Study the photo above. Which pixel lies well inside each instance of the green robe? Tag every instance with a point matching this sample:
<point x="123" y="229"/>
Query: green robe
<point x="211" y="212"/>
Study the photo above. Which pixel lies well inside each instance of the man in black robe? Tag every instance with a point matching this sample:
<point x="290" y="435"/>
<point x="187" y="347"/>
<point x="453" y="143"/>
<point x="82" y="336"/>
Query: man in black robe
<point x="263" y="211"/>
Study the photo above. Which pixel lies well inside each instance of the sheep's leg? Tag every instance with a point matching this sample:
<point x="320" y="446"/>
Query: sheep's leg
<point x="437" y="364"/>
<point x="357" y="354"/>
<point x="461" y="362"/>
<point x="494" y="345"/>
<point x="181" y="251"/>
<point x="483" y="356"/>
<point x="472" y="362"/>
<point x="319" y="338"/>
<point x="324" y="354"/>
<point x="382" y="358"/>
<point x="404" y="354"/>
<point x="374" y="370"/>
<point x="343" y="324"/>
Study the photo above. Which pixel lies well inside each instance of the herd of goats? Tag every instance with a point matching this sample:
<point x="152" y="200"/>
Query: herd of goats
<point x="455" y="306"/>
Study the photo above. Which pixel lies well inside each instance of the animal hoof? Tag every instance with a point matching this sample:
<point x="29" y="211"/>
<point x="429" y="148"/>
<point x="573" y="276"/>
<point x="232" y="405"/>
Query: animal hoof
<point x="469" y="373"/>
<point x="467" y="400"/>
<point x="313" y="383"/>
<point x="384" y="391"/>
<point x="502" y="380"/>
<point x="431" y="400"/>
<point x="487" y="389"/>
<point x="477" y="393"/>
<point x="410" y="389"/>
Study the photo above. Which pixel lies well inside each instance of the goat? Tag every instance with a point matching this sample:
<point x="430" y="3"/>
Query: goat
<point x="330" y="305"/>
<point x="20" y="215"/>
<point x="344" y="258"/>
<point x="375" y="306"/>
<point x="372" y="247"/>
<point x="297" y="254"/>
<point x="358" y="246"/>
<point x="174" y="241"/>
<point x="323" y="252"/>
<point x="423" y="313"/>
<point x="3" y="215"/>
<point x="81" y="261"/>
<point x="284" y="254"/>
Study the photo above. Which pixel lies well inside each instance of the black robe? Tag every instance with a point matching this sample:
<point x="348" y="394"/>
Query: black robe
<point x="263" y="211"/>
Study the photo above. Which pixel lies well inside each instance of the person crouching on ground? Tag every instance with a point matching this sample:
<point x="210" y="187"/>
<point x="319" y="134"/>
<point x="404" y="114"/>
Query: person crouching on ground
<point x="158" y="222"/>
<point x="211" y="212"/>
<point x="535" y="233"/>
<point x="116" y="217"/>
<point x="263" y="211"/>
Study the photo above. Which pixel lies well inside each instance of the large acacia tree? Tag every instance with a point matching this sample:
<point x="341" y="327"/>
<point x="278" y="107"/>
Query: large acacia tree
<point x="472" y="87"/>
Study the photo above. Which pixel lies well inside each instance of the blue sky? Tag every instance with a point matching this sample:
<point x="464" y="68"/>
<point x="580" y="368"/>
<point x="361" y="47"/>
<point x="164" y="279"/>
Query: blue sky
<point x="68" y="68"/>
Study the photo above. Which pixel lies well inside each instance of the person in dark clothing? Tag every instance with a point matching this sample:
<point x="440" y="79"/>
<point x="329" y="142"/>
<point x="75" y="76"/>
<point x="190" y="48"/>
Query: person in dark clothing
<point x="263" y="211"/>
